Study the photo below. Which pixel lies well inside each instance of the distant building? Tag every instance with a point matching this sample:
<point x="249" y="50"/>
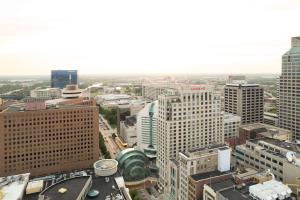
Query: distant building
<point x="62" y="78"/>
<point x="246" y="101"/>
<point x="13" y="187"/>
<point x="236" y="79"/>
<point x="271" y="118"/>
<point x="260" y="130"/>
<point x="47" y="138"/>
<point x="128" y="130"/>
<point x="151" y="91"/>
<point x="71" y="92"/>
<point x="231" y="128"/>
<point x="50" y="93"/>
<point x="281" y="157"/>
<point x="147" y="127"/>
<point x="289" y="87"/>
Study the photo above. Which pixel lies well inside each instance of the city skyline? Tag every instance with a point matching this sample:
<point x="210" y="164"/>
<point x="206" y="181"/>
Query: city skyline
<point x="138" y="37"/>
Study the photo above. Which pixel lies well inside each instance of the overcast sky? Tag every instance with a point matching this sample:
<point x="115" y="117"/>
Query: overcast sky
<point x="154" y="36"/>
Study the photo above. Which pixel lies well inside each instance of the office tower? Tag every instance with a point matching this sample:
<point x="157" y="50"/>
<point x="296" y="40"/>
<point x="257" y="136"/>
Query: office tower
<point x="43" y="139"/>
<point x="62" y="78"/>
<point x="188" y="117"/>
<point x="147" y="129"/>
<point x="289" y="90"/>
<point x="268" y="153"/>
<point x="246" y="101"/>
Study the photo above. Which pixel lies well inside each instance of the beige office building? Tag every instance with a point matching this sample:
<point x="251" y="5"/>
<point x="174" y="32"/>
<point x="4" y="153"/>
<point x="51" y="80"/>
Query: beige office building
<point x="189" y="117"/>
<point x="246" y="101"/>
<point x="282" y="158"/>
<point x="44" y="139"/>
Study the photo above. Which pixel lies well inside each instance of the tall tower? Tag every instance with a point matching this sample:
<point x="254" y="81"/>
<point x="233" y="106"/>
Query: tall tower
<point x="188" y="118"/>
<point x="289" y="90"/>
<point x="246" y="101"/>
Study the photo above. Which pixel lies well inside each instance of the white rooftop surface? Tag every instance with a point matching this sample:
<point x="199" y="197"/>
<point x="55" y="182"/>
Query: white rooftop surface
<point x="270" y="190"/>
<point x="15" y="190"/>
<point x="111" y="97"/>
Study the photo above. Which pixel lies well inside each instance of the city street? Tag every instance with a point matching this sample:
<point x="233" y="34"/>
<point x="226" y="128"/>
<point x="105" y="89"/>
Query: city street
<point x="107" y="132"/>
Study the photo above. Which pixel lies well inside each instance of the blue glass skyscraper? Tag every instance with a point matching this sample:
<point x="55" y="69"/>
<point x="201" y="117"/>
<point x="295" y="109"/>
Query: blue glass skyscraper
<point x="61" y="78"/>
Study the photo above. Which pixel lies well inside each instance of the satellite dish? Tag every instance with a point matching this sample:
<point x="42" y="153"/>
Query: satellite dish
<point x="289" y="156"/>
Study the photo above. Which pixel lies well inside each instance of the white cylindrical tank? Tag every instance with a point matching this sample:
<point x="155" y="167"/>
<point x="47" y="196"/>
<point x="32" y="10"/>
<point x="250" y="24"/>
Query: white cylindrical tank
<point x="105" y="167"/>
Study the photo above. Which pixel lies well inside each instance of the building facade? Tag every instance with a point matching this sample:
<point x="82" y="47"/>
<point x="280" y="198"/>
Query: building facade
<point x="246" y="101"/>
<point x="62" y="78"/>
<point x="260" y="130"/>
<point x="50" y="93"/>
<point x="189" y="117"/>
<point x="146" y="129"/>
<point x="128" y="130"/>
<point x="199" y="161"/>
<point x="289" y="90"/>
<point x="281" y="157"/>
<point x="48" y="139"/>
<point x="231" y="128"/>
<point x="271" y="118"/>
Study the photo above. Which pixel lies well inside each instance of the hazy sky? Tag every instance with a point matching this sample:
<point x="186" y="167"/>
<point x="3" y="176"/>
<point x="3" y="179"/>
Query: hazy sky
<point x="154" y="36"/>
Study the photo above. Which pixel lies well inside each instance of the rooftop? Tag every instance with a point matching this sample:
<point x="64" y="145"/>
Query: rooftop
<point x="105" y="186"/>
<point x="73" y="187"/>
<point x="202" y="176"/>
<point x="202" y="149"/>
<point x="265" y="128"/>
<point x="13" y="187"/>
<point x="242" y="85"/>
<point x="285" y="145"/>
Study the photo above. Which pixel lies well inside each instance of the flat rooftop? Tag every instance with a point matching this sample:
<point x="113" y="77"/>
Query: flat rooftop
<point x="211" y="147"/>
<point x="20" y="107"/>
<point x="242" y="85"/>
<point x="73" y="186"/>
<point x="13" y="186"/>
<point x="265" y="128"/>
<point x="105" y="188"/>
<point x="285" y="145"/>
<point x="216" y="173"/>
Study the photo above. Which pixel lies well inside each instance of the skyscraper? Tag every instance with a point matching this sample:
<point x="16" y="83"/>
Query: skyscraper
<point x="62" y="78"/>
<point x="289" y="90"/>
<point x="189" y="117"/>
<point x="147" y="129"/>
<point x="246" y="101"/>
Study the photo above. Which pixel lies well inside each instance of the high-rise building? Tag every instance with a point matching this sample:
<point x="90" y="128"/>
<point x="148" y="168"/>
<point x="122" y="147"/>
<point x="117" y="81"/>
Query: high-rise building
<point x="289" y="90"/>
<point x="147" y="128"/>
<point x="43" y="139"/>
<point x="189" y="117"/>
<point x="62" y="78"/>
<point x="246" y="101"/>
